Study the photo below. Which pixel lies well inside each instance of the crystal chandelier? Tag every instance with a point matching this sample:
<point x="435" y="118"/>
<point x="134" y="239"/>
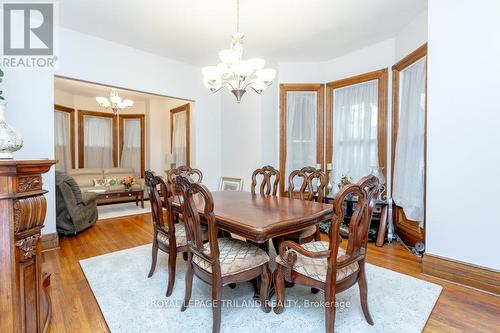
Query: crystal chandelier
<point x="237" y="74"/>
<point x="114" y="102"/>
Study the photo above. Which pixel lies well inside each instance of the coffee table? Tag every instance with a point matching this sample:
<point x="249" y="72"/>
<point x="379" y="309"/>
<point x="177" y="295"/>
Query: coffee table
<point x="124" y="193"/>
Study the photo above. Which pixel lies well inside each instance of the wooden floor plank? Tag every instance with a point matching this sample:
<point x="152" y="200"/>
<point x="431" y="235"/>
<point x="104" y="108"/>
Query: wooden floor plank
<point x="74" y="308"/>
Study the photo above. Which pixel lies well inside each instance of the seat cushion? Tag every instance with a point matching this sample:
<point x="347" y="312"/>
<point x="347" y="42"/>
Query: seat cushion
<point x="304" y="233"/>
<point x="316" y="268"/>
<point x="235" y="256"/>
<point x="180" y="235"/>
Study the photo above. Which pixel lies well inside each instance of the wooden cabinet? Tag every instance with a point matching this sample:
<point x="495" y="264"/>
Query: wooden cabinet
<point x="24" y="304"/>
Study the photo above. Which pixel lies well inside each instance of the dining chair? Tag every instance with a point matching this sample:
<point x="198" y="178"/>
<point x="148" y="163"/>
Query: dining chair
<point x="195" y="174"/>
<point x="326" y="266"/>
<point x="267" y="186"/>
<point x="312" y="184"/>
<point x="221" y="261"/>
<point x="168" y="236"/>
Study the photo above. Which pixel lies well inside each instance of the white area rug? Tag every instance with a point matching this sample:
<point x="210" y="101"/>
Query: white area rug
<point x="111" y="211"/>
<point x="131" y="302"/>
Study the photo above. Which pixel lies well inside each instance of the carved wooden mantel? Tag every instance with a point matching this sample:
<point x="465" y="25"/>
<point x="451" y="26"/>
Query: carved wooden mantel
<point x="24" y="304"/>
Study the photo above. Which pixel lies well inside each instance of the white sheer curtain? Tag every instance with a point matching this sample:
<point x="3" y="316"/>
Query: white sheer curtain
<point x="409" y="168"/>
<point x="179" y="140"/>
<point x="301" y="125"/>
<point x="98" y="143"/>
<point x="131" y="153"/>
<point x="62" y="125"/>
<point x="355" y="147"/>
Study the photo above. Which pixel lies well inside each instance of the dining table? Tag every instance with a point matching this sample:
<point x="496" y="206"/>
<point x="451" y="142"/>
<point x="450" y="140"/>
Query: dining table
<point x="259" y="218"/>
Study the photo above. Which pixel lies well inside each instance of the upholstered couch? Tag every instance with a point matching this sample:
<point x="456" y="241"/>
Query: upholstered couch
<point x="86" y="177"/>
<point x="75" y="211"/>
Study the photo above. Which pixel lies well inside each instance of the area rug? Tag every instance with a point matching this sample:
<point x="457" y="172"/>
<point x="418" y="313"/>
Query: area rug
<point x="111" y="211"/>
<point x="130" y="302"/>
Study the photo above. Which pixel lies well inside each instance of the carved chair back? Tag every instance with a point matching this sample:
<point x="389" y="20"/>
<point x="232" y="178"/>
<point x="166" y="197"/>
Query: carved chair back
<point x="366" y="191"/>
<point x="188" y="191"/>
<point x="153" y="183"/>
<point x="195" y="174"/>
<point x="267" y="186"/>
<point x="313" y="184"/>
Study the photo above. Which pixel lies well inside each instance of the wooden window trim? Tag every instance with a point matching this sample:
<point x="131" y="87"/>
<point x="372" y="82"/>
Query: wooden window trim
<point x="381" y="76"/>
<point x="81" y="139"/>
<point x="122" y="118"/>
<point x="319" y="88"/>
<point x="72" y="129"/>
<point x="187" y="108"/>
<point x="408" y="230"/>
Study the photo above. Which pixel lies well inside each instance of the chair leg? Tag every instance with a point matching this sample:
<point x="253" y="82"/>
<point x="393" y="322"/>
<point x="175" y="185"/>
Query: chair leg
<point x="154" y="257"/>
<point x="172" y="258"/>
<point x="185" y="256"/>
<point x="189" y="283"/>
<point x="363" y="293"/>
<point x="265" y="283"/>
<point x="279" y="287"/>
<point x="216" y="303"/>
<point x="317" y="236"/>
<point x="330" y="310"/>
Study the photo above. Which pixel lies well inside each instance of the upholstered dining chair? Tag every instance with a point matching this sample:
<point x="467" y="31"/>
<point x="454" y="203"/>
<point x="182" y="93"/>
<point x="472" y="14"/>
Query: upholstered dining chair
<point x="326" y="266"/>
<point x="311" y="184"/>
<point x="267" y="186"/>
<point x="221" y="261"/>
<point x="168" y="236"/>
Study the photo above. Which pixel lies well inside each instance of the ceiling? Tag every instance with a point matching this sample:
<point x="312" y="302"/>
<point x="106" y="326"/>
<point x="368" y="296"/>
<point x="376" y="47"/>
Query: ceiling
<point x="193" y="31"/>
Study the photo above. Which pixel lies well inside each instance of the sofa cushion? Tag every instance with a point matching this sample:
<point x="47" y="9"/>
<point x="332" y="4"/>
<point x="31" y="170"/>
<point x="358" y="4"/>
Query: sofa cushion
<point x="86" y="176"/>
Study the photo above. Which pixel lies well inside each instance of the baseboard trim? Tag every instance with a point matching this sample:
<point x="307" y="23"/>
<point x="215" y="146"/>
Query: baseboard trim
<point x="50" y="242"/>
<point x="474" y="276"/>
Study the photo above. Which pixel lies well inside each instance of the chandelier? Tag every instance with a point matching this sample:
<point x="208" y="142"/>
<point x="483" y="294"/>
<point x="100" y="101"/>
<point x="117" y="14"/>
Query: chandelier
<point x="237" y="74"/>
<point x="114" y="102"/>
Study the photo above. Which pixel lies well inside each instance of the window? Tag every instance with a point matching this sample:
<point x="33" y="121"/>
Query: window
<point x="357" y="124"/>
<point x="301" y="128"/>
<point x="96" y="140"/>
<point x="179" y="135"/>
<point x="132" y="146"/>
<point x="64" y="137"/>
<point x="408" y="144"/>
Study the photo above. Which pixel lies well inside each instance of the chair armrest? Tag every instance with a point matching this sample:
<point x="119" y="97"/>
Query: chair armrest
<point x="296" y="247"/>
<point x="88" y="198"/>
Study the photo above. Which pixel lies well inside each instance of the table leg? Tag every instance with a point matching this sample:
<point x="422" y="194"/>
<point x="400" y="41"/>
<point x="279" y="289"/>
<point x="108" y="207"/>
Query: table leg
<point x="382" y="227"/>
<point x="142" y="200"/>
<point x="137" y="200"/>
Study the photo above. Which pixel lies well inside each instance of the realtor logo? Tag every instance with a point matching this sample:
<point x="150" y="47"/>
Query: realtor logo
<point x="28" y="35"/>
<point x="28" y="29"/>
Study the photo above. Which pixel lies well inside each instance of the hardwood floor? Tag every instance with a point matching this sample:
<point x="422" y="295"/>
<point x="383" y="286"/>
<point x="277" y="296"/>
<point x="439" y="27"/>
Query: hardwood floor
<point x="74" y="308"/>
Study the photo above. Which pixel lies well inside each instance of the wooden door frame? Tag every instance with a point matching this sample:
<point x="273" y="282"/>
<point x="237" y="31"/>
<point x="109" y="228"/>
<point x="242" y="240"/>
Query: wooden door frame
<point x="319" y="88"/>
<point x="409" y="233"/>
<point x="187" y="108"/>
<point x="381" y="77"/>
<point x="72" y="129"/>
<point x="81" y="134"/>
<point x="122" y="118"/>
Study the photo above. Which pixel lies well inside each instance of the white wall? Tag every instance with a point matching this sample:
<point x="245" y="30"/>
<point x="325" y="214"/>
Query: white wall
<point x="31" y="98"/>
<point x="412" y="36"/>
<point x="463" y="154"/>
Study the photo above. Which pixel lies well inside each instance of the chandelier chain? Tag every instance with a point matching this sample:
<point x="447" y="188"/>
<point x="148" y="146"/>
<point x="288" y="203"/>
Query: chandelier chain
<point x="237" y="15"/>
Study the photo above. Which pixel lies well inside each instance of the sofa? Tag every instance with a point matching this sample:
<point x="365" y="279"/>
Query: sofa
<point x="75" y="210"/>
<point x="86" y="178"/>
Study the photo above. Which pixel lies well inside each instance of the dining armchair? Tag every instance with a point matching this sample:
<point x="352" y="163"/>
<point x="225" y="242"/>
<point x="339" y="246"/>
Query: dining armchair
<point x="168" y="236"/>
<point x="311" y="184"/>
<point x="326" y="266"/>
<point x="221" y="261"/>
<point x="267" y="186"/>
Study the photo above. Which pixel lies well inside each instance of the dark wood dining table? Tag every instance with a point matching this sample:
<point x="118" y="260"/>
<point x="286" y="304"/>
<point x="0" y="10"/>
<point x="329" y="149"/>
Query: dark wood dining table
<point x="260" y="218"/>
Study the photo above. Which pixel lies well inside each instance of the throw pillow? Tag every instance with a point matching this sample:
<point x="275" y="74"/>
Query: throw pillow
<point x="111" y="181"/>
<point x="99" y="182"/>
